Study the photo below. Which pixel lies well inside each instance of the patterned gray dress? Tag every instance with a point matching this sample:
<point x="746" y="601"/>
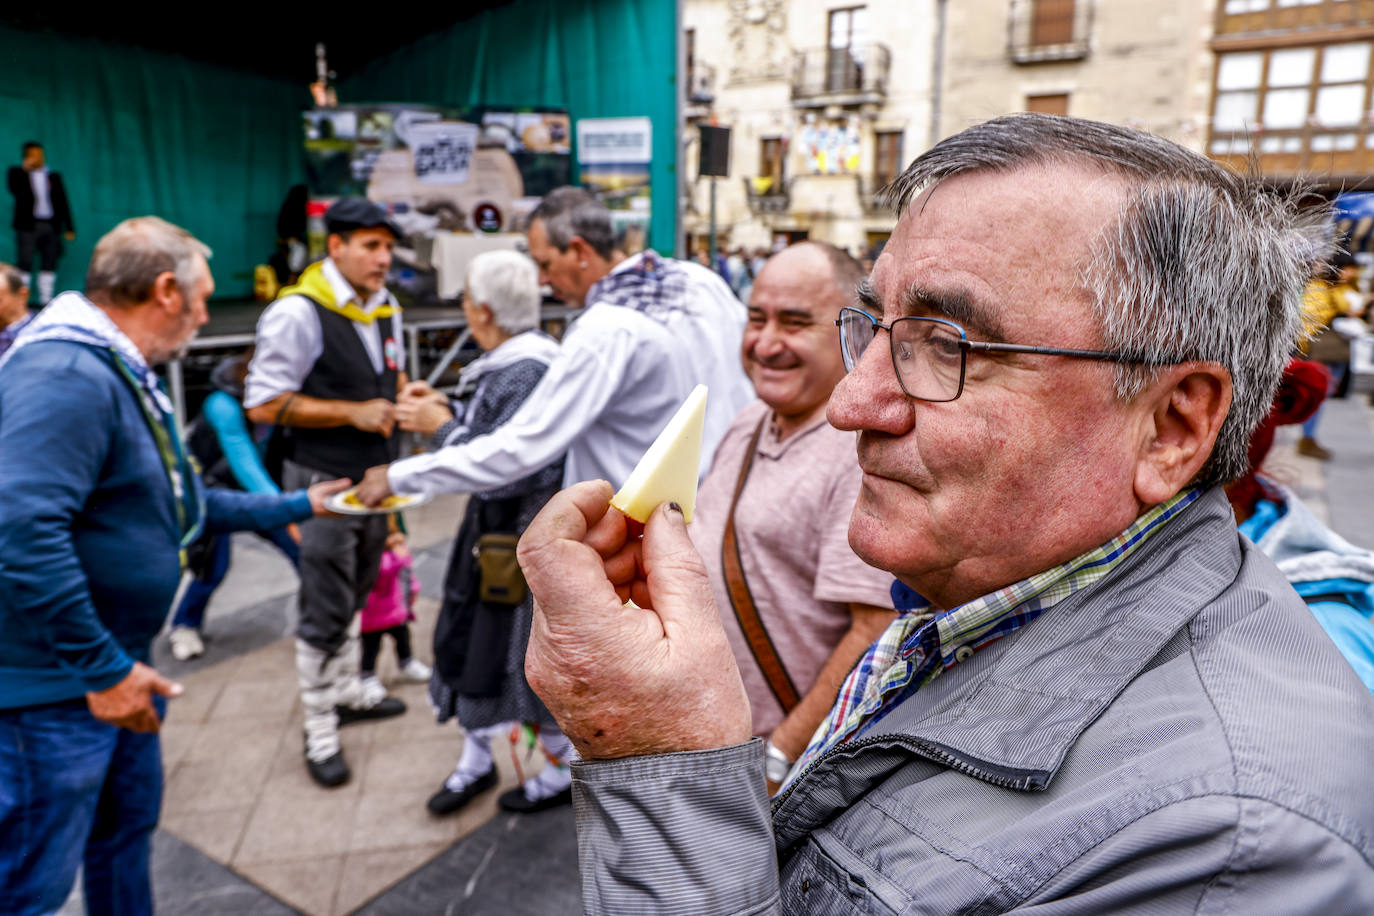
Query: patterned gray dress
<point x="479" y="648"/>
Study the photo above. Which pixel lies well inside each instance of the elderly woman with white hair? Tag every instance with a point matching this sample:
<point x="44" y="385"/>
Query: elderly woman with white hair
<point x="484" y="624"/>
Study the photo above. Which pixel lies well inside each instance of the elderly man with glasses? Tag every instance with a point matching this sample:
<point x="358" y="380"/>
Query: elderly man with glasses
<point x="1098" y="697"/>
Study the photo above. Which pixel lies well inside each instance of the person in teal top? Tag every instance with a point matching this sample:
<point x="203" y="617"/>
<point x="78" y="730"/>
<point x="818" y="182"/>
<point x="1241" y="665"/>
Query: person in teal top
<point x="230" y="456"/>
<point x="1334" y="577"/>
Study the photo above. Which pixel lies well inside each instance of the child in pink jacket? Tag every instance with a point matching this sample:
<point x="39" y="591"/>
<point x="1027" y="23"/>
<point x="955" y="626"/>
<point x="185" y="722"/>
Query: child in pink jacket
<point x="389" y="610"/>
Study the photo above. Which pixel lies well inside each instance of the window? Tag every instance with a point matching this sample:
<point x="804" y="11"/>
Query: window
<point x="846" y="37"/>
<point x="1051" y="22"/>
<point x="1341" y="92"/>
<point x="690" y="43"/>
<point x="1057" y="104"/>
<point x="770" y="163"/>
<point x="1285" y="90"/>
<point x="887" y="159"/>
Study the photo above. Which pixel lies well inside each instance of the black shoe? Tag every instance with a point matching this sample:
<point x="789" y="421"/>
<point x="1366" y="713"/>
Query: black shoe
<point x="515" y="800"/>
<point x="447" y="801"/>
<point x="330" y="772"/>
<point x="388" y="707"/>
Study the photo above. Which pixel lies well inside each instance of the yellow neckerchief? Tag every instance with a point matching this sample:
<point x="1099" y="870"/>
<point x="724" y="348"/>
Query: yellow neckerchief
<point x="313" y="284"/>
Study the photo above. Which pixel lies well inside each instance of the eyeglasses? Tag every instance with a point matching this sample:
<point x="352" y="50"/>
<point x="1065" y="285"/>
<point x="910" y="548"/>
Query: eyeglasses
<point x="929" y="354"/>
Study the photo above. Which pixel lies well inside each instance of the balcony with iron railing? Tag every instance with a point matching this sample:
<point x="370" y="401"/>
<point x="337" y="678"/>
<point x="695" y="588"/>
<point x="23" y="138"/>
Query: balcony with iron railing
<point x="1048" y="30"/>
<point x="767" y="195"/>
<point x="701" y="83"/>
<point x="840" y="76"/>
<point x="701" y="90"/>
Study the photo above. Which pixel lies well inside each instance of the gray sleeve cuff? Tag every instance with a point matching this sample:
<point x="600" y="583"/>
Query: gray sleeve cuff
<point x="676" y="833"/>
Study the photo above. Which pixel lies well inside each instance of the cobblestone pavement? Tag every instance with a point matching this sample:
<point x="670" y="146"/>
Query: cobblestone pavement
<point x="244" y="831"/>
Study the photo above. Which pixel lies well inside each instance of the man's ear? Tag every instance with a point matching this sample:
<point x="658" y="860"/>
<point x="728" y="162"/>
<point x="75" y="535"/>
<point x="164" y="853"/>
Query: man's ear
<point x="165" y="293"/>
<point x="579" y="247"/>
<point x="1187" y="405"/>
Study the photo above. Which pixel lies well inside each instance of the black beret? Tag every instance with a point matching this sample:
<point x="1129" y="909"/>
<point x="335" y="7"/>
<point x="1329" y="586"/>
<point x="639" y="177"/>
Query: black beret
<point x="348" y="213"/>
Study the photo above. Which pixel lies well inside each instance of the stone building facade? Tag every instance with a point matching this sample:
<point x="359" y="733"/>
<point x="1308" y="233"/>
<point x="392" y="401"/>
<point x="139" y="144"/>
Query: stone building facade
<point x="825" y="100"/>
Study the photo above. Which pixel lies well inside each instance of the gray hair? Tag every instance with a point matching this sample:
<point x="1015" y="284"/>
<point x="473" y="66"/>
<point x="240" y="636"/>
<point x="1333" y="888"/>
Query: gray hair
<point x="129" y="258"/>
<point x="507" y="282"/>
<point x="1201" y="264"/>
<point x="568" y="212"/>
<point x="14" y="277"/>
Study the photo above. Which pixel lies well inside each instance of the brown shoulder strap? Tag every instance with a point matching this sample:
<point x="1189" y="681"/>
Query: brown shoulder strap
<point x="743" y="602"/>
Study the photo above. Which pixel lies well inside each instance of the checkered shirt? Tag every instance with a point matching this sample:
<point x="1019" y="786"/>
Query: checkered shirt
<point x="654" y="285"/>
<point x="917" y="647"/>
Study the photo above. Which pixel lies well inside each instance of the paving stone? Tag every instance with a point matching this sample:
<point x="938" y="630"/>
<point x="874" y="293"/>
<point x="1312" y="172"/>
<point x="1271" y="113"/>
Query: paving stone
<point x="368" y="874"/>
<point x="309" y="885"/>
<point x="215" y="833"/>
<point x="208" y="786"/>
<point x="270" y="700"/>
<point x="515" y="865"/>
<point x="289" y="828"/>
<point x="187" y="883"/>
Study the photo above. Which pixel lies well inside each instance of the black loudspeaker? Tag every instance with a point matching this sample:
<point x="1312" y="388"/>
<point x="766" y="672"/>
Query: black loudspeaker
<point x="715" y="151"/>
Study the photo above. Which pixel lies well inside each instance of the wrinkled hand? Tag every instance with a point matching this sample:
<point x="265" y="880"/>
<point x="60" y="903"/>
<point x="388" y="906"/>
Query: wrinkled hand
<point x="627" y="681"/>
<point x="375" y="416"/>
<point x="420" y="391"/>
<point x="422" y="415"/>
<point x="318" y="493"/>
<point x="374" y="487"/>
<point x="129" y="704"/>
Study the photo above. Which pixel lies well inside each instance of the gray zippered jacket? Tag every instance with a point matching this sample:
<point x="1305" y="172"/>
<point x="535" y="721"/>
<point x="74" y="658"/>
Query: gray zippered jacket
<point x="1181" y="737"/>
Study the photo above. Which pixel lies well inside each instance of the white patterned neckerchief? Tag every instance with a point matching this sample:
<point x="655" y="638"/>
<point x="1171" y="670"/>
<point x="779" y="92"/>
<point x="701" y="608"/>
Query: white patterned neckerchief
<point x="71" y="316"/>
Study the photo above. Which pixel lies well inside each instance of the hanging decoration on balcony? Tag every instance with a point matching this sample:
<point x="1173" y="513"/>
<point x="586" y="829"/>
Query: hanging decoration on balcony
<point x="831" y="148"/>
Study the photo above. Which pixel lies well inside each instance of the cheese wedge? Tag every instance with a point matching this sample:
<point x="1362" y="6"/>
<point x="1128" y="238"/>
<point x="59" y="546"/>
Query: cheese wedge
<point x="668" y="471"/>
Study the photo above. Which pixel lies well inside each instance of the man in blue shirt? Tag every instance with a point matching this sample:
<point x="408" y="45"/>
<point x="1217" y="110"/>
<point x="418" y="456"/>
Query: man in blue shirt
<point x="101" y="501"/>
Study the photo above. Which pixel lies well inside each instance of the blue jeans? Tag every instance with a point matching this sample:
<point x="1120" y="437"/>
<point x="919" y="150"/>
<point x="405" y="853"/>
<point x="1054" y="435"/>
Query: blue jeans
<point x="74" y="791"/>
<point x="210" y="572"/>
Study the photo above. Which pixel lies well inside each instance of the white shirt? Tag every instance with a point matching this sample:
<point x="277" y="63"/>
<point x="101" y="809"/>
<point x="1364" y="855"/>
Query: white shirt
<point x="290" y="340"/>
<point x="614" y="385"/>
<point x="42" y="198"/>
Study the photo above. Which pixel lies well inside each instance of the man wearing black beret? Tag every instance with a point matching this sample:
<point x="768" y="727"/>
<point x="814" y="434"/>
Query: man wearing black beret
<point x="328" y="365"/>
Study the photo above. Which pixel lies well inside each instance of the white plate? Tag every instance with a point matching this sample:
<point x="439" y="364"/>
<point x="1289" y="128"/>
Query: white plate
<point x="336" y="503"/>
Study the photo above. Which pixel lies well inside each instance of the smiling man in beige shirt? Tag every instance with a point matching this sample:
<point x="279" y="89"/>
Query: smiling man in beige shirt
<point x="772" y="516"/>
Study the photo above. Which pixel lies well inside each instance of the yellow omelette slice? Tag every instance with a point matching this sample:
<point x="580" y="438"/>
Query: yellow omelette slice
<point x="668" y="470"/>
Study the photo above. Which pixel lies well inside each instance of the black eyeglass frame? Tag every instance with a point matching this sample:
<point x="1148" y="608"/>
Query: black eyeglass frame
<point x="965" y="345"/>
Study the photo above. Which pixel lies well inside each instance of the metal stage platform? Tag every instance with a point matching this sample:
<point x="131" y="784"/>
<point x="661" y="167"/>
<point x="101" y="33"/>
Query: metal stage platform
<point x="435" y="338"/>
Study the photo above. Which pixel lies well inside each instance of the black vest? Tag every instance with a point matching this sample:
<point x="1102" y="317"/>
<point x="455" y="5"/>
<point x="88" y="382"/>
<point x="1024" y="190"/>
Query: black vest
<point x="344" y="373"/>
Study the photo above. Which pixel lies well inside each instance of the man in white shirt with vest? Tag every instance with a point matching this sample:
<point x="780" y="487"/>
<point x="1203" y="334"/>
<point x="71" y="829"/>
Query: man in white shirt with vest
<point x="328" y="366"/>
<point x="651" y="330"/>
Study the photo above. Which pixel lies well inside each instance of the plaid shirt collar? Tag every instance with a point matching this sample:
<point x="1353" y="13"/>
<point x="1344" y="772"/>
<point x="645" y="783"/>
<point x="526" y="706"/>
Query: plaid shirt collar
<point x="918" y="646"/>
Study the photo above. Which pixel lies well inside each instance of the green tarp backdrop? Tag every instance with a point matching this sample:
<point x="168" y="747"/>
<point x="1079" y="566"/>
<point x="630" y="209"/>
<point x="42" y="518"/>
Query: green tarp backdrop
<point x="137" y="132"/>
<point x="215" y="149"/>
